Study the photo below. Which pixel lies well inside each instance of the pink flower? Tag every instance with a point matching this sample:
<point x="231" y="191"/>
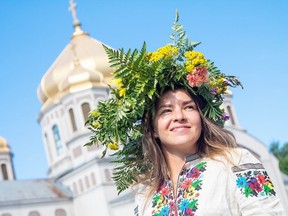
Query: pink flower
<point x="225" y="117"/>
<point x="198" y="76"/>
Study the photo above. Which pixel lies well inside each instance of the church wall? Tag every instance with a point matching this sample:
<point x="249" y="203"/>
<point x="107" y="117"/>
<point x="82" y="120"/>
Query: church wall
<point x="123" y="209"/>
<point x="43" y="208"/>
<point x="92" y="203"/>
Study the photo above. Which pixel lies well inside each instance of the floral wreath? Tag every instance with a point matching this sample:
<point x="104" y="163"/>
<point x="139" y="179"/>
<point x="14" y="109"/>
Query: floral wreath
<point x="140" y="77"/>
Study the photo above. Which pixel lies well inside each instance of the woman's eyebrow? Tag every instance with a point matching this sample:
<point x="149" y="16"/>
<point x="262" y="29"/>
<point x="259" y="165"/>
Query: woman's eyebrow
<point x="188" y="102"/>
<point x="164" y="105"/>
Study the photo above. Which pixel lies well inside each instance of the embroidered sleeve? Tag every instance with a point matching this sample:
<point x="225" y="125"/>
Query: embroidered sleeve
<point x="255" y="192"/>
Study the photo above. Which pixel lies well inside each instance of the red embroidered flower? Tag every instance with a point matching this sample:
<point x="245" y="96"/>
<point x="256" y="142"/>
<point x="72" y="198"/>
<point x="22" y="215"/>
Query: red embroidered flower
<point x="165" y="191"/>
<point x="261" y="179"/>
<point x="194" y="173"/>
<point x="255" y="187"/>
<point x="198" y="76"/>
<point x="186" y="183"/>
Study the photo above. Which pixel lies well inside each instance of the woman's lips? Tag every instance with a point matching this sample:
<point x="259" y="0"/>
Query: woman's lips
<point x="180" y="128"/>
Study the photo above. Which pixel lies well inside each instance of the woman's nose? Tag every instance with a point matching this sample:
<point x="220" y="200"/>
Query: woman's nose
<point x="179" y="115"/>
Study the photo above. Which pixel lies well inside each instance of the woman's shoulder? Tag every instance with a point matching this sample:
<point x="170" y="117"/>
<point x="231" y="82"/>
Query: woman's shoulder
<point x="242" y="156"/>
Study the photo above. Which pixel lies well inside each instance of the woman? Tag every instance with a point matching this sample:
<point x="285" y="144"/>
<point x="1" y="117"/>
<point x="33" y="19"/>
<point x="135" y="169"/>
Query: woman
<point x="197" y="168"/>
<point x="164" y="123"/>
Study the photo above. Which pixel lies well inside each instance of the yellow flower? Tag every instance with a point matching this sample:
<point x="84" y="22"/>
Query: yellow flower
<point x="120" y="103"/>
<point x="167" y="51"/>
<point x="155" y="57"/>
<point x="189" y="68"/>
<point x="95" y="113"/>
<point x="196" y="57"/>
<point x="122" y="92"/>
<point x="96" y="124"/>
<point x="113" y="146"/>
<point x="118" y="83"/>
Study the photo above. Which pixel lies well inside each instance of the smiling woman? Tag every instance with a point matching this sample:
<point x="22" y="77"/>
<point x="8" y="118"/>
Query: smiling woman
<point x="165" y="124"/>
<point x="177" y="123"/>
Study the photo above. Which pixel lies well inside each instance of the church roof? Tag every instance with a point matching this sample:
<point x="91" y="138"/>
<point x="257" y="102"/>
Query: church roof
<point x="32" y="191"/>
<point x="83" y="64"/>
<point x="4" y="146"/>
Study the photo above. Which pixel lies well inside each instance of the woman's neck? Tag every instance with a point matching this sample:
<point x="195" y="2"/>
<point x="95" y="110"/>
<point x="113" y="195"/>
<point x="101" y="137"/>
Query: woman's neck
<point x="175" y="161"/>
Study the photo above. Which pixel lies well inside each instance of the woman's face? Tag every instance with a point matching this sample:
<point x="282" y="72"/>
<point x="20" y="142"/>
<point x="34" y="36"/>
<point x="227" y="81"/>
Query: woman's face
<point x="177" y="122"/>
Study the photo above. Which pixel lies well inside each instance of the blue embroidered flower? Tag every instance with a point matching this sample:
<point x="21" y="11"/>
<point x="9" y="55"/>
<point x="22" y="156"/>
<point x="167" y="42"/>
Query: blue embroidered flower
<point x="164" y="211"/>
<point x="184" y="204"/>
<point x="241" y="182"/>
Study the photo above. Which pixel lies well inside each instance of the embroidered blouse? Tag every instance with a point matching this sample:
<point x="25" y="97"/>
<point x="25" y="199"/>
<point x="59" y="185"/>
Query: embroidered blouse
<point x="214" y="187"/>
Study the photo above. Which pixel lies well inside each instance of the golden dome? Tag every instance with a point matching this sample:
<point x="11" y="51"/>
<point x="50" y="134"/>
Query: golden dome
<point x="4" y="146"/>
<point x="83" y="64"/>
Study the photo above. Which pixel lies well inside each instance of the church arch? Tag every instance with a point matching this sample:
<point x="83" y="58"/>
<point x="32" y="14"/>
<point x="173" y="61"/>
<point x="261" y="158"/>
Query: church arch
<point x="72" y="120"/>
<point x="34" y="213"/>
<point x="60" y="212"/>
<point x="4" y="171"/>
<point x="85" y="110"/>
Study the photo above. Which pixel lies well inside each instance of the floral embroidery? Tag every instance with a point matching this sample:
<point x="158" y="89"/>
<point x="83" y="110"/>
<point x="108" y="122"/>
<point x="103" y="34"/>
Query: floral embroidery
<point x="189" y="185"/>
<point x="255" y="183"/>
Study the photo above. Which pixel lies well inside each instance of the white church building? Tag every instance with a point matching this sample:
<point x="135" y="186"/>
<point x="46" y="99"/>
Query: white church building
<point x="79" y="182"/>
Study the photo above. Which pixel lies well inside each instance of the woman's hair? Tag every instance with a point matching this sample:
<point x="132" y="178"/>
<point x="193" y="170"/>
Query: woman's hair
<point x="214" y="140"/>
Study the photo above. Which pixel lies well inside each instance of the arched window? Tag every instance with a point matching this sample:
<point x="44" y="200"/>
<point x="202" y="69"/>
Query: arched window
<point x="85" y="110"/>
<point x="57" y="139"/>
<point x="72" y="119"/>
<point x="4" y="171"/>
<point x="60" y="212"/>
<point x="34" y="213"/>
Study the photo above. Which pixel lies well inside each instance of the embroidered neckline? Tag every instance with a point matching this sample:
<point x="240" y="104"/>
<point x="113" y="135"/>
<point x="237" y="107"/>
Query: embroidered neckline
<point x="192" y="157"/>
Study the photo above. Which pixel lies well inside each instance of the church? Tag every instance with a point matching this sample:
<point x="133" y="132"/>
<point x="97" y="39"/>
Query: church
<point x="79" y="182"/>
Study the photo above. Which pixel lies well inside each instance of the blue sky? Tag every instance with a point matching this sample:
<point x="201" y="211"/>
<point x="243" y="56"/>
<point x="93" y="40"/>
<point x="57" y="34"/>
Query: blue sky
<point x="247" y="38"/>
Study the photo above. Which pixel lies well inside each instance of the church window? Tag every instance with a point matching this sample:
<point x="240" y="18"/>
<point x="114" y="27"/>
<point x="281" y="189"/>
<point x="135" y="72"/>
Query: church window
<point x="4" y="171"/>
<point x="60" y="212"/>
<point x="34" y="213"/>
<point x="57" y="139"/>
<point x="231" y="115"/>
<point x="85" y="110"/>
<point x="72" y="119"/>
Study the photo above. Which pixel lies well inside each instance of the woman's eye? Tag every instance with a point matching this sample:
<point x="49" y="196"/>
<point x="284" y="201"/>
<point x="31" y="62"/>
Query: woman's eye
<point x="165" y="111"/>
<point x="190" y="107"/>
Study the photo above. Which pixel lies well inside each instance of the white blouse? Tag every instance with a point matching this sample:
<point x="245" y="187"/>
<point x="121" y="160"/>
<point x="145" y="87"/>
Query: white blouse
<point x="215" y="187"/>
